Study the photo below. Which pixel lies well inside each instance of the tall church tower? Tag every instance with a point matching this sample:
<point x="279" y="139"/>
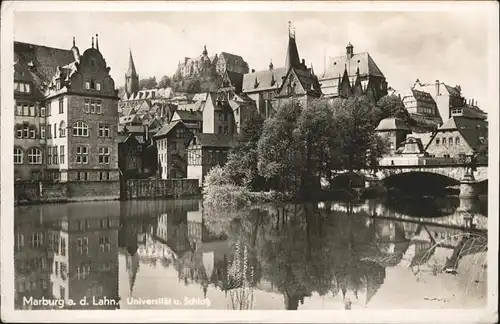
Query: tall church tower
<point x="131" y="77"/>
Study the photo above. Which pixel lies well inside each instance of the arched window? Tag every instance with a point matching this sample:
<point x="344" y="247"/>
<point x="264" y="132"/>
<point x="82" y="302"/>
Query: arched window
<point x="62" y="129"/>
<point x="457" y="140"/>
<point x="34" y="156"/>
<point x="80" y="129"/>
<point x="18" y="155"/>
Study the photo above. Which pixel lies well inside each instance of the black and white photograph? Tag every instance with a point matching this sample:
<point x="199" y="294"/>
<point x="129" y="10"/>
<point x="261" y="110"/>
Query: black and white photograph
<point x="199" y="159"/>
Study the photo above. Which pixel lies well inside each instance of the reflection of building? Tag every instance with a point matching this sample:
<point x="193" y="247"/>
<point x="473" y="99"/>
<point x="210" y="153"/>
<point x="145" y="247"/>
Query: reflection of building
<point x="80" y="251"/>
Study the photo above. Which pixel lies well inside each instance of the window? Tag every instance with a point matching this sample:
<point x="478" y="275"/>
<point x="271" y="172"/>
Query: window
<point x="18" y="155"/>
<point x="49" y="131"/>
<point x="32" y="132"/>
<point x="86" y="107"/>
<point x="99" y="106"/>
<point x="444" y="140"/>
<point x="55" y="130"/>
<point x="92" y="106"/>
<point x="82" y="154"/>
<point x="42" y="111"/>
<point x="83" y="245"/>
<point x="87" y="85"/>
<point x="226" y="130"/>
<point x="82" y="271"/>
<point x="104" y="155"/>
<point x="105" y="244"/>
<point x="32" y="111"/>
<point x="35" y="156"/>
<point x="103" y="175"/>
<point x="19" y="110"/>
<point x="55" y="156"/>
<point x="25" y="130"/>
<point x="42" y="131"/>
<point x="26" y="110"/>
<point x="80" y="129"/>
<point x="437" y="141"/>
<point x="49" y="154"/>
<point x="450" y="140"/>
<point x="220" y="129"/>
<point x="36" y="239"/>
<point x="106" y="266"/>
<point x="83" y="176"/>
<point x="19" y="131"/>
<point x="103" y="130"/>
<point x="61" y="154"/>
<point x="457" y="140"/>
<point x="58" y="84"/>
<point x="98" y="86"/>
<point x="63" y="248"/>
<point x="61" y="106"/>
<point x="62" y="129"/>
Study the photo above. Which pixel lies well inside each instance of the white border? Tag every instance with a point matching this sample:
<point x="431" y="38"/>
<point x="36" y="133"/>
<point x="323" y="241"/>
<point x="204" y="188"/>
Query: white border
<point x="486" y="315"/>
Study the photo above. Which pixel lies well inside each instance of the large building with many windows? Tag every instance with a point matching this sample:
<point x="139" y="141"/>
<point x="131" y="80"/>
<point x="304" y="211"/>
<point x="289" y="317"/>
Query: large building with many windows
<point x="66" y="115"/>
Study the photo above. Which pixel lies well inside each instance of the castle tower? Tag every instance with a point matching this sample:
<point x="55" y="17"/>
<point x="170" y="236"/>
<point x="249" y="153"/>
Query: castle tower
<point x="131" y="77"/>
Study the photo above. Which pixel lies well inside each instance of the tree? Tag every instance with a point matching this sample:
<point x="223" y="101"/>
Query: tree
<point x="243" y="158"/>
<point x="165" y="82"/>
<point x="392" y="106"/>
<point x="149" y="83"/>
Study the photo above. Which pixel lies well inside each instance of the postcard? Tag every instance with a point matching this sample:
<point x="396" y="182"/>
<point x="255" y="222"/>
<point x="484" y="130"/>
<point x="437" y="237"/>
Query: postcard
<point x="249" y="161"/>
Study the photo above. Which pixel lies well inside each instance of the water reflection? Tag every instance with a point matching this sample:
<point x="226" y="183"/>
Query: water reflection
<point x="329" y="255"/>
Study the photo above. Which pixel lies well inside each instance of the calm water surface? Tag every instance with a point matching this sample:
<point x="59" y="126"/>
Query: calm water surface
<point x="174" y="254"/>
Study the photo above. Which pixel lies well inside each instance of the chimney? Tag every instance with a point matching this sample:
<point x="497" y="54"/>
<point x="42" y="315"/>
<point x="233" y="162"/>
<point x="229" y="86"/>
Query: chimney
<point x="437" y="88"/>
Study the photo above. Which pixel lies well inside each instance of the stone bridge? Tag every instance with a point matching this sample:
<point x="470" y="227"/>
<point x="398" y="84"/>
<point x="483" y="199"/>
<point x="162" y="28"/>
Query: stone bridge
<point x="454" y="172"/>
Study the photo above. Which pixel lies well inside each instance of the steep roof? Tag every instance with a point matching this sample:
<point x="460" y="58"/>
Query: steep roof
<point x="292" y="54"/>
<point x="263" y="79"/>
<point x="167" y="128"/>
<point x="236" y="80"/>
<point x="42" y="61"/>
<point x="364" y="61"/>
<point x="131" y="66"/>
<point x="214" y="140"/>
<point x="473" y="130"/>
<point x="231" y="56"/>
<point x="391" y="123"/>
<point x="422" y="96"/>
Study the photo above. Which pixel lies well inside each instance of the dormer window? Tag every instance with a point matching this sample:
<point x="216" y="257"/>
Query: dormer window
<point x="22" y="87"/>
<point x="58" y="84"/>
<point x="92" y="62"/>
<point x="98" y="86"/>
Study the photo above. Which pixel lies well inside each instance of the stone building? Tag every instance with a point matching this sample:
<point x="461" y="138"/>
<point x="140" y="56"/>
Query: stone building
<point x="458" y="137"/>
<point x="351" y="70"/>
<point x="275" y="86"/>
<point x="171" y="141"/>
<point x="394" y="130"/>
<point x="72" y="115"/>
<point x="449" y="100"/>
<point x="205" y="66"/>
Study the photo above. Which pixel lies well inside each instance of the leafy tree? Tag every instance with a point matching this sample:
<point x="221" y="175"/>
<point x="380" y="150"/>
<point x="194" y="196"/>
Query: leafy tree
<point x="243" y="158"/>
<point x="149" y="83"/>
<point x="165" y="82"/>
<point x="390" y="106"/>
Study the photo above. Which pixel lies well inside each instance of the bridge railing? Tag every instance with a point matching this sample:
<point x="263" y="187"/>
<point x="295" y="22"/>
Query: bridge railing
<point x="428" y="161"/>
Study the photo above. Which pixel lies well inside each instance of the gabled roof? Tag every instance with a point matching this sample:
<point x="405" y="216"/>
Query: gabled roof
<point x="189" y="116"/>
<point x="214" y="140"/>
<point x="199" y="97"/>
<point x="424" y="138"/>
<point x="392" y="123"/>
<point x="422" y="96"/>
<point x="263" y="79"/>
<point x="364" y="61"/>
<point x="129" y="119"/>
<point x="229" y="56"/>
<point x="236" y="80"/>
<point x="167" y="128"/>
<point x="473" y="130"/>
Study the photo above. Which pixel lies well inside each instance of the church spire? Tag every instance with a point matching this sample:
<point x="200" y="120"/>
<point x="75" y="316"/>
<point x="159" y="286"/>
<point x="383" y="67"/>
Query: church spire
<point x="345" y="86"/>
<point x="292" y="53"/>
<point x="131" y="66"/>
<point x="131" y="78"/>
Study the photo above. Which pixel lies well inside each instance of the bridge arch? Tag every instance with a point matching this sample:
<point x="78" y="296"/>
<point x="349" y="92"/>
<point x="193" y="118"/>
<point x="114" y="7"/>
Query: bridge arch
<point x="454" y="172"/>
<point x="419" y="182"/>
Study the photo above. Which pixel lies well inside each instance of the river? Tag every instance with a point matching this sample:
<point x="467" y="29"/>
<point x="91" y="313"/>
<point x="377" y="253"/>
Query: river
<point x="165" y="254"/>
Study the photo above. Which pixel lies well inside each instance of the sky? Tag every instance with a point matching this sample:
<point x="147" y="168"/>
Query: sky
<point x="450" y="46"/>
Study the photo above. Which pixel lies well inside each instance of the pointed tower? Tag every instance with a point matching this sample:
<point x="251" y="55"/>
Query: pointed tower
<point x="358" y="88"/>
<point x="131" y="78"/>
<point x="345" y="89"/>
<point x="292" y="54"/>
